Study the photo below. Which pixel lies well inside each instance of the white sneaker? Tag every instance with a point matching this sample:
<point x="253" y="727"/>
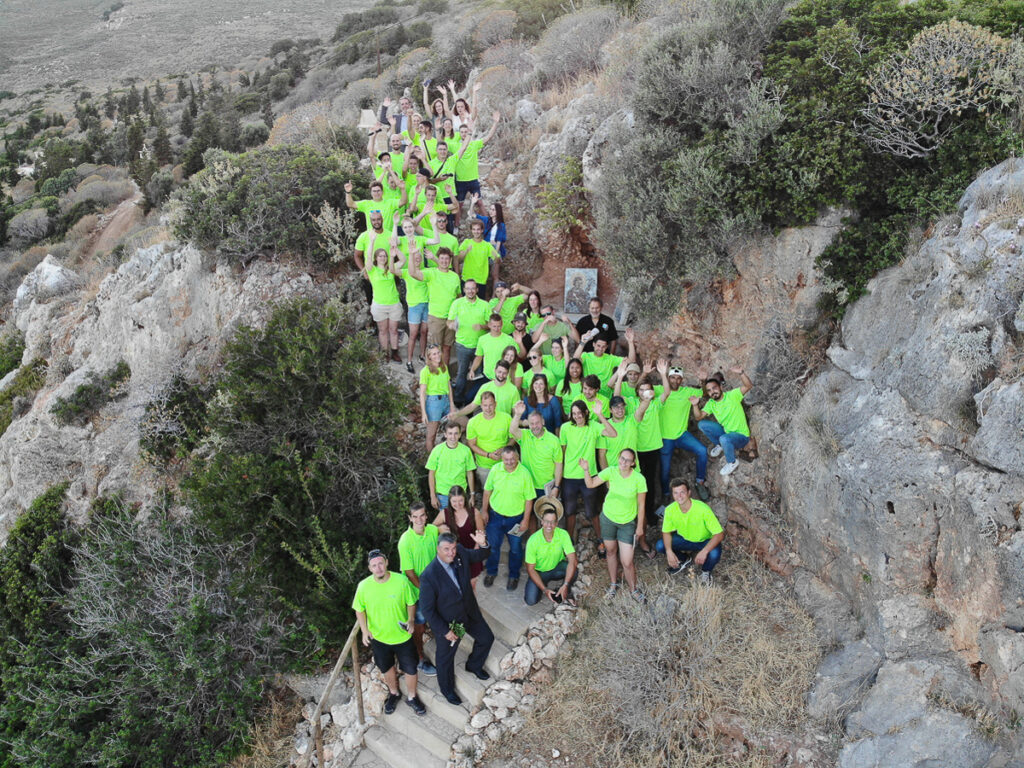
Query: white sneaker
<point x="715" y="452"/>
<point x="706" y="579"/>
<point x="729" y="468"/>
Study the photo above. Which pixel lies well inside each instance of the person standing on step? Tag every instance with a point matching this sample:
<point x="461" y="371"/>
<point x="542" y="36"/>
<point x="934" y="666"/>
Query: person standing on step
<point x="675" y="422"/>
<point x="416" y="548"/>
<point x="385" y="606"/>
<point x="510" y="493"/>
<point x="449" y="464"/>
<point x="486" y="435"/>
<point x="730" y="432"/>
<point x="449" y="604"/>
<point x="690" y="533"/>
<point x="550" y="555"/>
<point x="467" y="317"/>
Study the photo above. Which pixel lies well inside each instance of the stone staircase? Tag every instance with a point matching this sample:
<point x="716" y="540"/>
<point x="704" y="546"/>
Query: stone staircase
<point x="406" y="740"/>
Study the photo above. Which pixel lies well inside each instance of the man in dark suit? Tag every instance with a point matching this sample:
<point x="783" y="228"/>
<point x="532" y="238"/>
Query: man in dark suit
<point x="446" y="597"/>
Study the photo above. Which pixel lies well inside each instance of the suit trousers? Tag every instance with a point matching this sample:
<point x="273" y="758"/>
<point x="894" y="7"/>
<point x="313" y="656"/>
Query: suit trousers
<point x="444" y="657"/>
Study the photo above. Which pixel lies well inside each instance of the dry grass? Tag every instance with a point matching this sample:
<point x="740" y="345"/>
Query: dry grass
<point x="651" y="687"/>
<point x="272" y="734"/>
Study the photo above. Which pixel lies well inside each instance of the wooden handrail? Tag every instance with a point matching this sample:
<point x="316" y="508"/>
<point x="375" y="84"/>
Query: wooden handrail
<point x="318" y="738"/>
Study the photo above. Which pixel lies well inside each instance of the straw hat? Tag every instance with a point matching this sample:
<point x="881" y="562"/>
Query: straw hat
<point x="546" y="503"/>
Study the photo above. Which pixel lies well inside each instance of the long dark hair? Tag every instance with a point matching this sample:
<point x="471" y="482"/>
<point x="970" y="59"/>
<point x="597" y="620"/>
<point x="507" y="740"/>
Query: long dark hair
<point x="499" y="214"/>
<point x="585" y="410"/>
<point x="565" y="381"/>
<point x="531" y="398"/>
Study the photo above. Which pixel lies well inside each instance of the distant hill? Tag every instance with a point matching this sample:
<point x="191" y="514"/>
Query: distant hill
<point x="53" y="41"/>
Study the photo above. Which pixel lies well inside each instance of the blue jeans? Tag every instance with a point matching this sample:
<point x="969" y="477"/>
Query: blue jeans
<point x="497" y="528"/>
<point x="681" y="546"/>
<point x="532" y="593"/>
<point x="442" y="499"/>
<point x="730" y="441"/>
<point x="687" y="442"/>
<point x="464" y="356"/>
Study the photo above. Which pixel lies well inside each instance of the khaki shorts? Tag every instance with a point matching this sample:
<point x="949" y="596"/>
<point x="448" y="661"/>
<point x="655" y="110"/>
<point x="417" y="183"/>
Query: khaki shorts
<point x="438" y="331"/>
<point x="381" y="312"/>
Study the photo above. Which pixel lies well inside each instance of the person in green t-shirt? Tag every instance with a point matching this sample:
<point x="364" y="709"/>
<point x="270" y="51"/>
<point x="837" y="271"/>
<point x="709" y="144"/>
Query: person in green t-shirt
<point x="435" y="393"/>
<point x="505" y="304"/>
<point x="487" y="434"/>
<point x="450" y="463"/>
<point x="370" y="240"/>
<point x="506" y="393"/>
<point x="603" y="365"/>
<point x="405" y="251"/>
<point x="440" y="238"/>
<point x="690" y="527"/>
<point x="541" y="451"/>
<point x="384" y="171"/>
<point x="387" y="208"/>
<point x="730" y="432"/>
<point x="476" y="257"/>
<point x="467" y="167"/>
<point x="675" y="419"/>
<point x="622" y="518"/>
<point x="550" y="555"/>
<point x="385" y="606"/>
<point x="443" y="287"/>
<point x="416" y="548"/>
<point x="509" y="491"/>
<point x="425" y="207"/>
<point x="385" y="308"/>
<point x="554" y="328"/>
<point x="645" y="408"/>
<point x="467" y="318"/>
<point x="578" y="437"/>
<point x="491" y="346"/>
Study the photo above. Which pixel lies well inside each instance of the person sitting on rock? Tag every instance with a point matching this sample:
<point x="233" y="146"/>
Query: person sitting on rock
<point x="385" y="606"/>
<point x="550" y="555"/>
<point x="416" y="548"/>
<point x="730" y="432"/>
<point x="690" y="533"/>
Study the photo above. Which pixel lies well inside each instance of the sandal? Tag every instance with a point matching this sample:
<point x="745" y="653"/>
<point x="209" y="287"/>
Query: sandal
<point x="611" y="591"/>
<point x="639" y="596"/>
<point x="602" y="552"/>
<point x="650" y="553"/>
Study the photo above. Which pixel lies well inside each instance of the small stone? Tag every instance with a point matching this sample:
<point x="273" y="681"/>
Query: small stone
<point x="555" y="754"/>
<point x="481" y="719"/>
<point x="494" y="732"/>
<point x="302" y="745"/>
<point x="501" y="713"/>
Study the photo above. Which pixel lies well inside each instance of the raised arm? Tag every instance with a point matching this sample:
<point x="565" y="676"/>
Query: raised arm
<point x="415" y="264"/>
<point x="573" y="333"/>
<point x="592" y="481"/>
<point x="494" y="126"/>
<point x="349" y="201"/>
<point x="397" y="257"/>
<point x="631" y="340"/>
<point x="609" y="430"/>
<point x="514" y="429"/>
<point x="663" y="370"/>
<point x="697" y="412"/>
<point x="746" y="384"/>
<point x="472" y="105"/>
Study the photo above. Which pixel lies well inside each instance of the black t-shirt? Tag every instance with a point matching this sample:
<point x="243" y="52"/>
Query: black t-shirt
<point x="606" y="326"/>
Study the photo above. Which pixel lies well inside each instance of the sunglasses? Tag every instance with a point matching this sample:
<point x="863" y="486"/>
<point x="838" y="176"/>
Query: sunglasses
<point x="534" y="357"/>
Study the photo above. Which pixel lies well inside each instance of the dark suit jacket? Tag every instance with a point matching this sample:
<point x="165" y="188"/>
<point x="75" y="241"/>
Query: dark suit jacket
<point x="440" y="601"/>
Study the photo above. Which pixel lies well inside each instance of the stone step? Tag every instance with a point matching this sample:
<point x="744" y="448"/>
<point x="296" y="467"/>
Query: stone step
<point x="467" y="685"/>
<point x="491" y="663"/>
<point x="431" y="731"/>
<point x="366" y="759"/>
<point x="398" y="750"/>
<point x="431" y="697"/>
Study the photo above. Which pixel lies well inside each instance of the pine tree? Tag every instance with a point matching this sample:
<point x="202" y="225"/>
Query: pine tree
<point x="158" y="93"/>
<point x="136" y="139"/>
<point x="182" y="93"/>
<point x="147" y="103"/>
<point x="268" y="114"/>
<point x="201" y="92"/>
<point x="193" y="107"/>
<point x="186" y="126"/>
<point x="132" y="101"/>
<point x="109" y="105"/>
<point x="243" y="80"/>
<point x="206" y="135"/>
<point x="162" y="146"/>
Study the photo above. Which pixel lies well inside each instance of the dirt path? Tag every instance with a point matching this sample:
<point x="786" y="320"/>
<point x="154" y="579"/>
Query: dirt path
<point x="114" y="226"/>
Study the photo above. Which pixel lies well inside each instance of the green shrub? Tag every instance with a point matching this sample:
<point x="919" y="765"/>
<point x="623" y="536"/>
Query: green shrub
<point x="12" y="348"/>
<point x="563" y="202"/>
<point x="26" y="383"/>
<point x="88" y="397"/>
<point x="306" y="461"/>
<point x="261" y="201"/>
<point x="427" y="6"/>
<point x="359" y="21"/>
<point x="174" y="421"/>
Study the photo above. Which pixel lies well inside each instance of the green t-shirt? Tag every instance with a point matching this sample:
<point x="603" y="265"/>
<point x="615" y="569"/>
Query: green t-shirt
<point x="369" y="241"/>
<point x="468" y="168"/>
<point x="627" y="438"/>
<point x="540" y="454"/>
<point x="729" y="411"/>
<point x="568" y="398"/>
<point x="390" y="193"/>
<point x="510" y="490"/>
<point x="450" y="466"/>
<point x="477" y="263"/>
<point x="451" y="242"/>
<point x="442" y="289"/>
<point x="436" y="383"/>
<point x="556" y="330"/>
<point x="385" y="605"/>
<point x="579" y="443"/>
<point x="545" y="555"/>
<point x="505" y="396"/>
<point x="491" y="434"/>
<point x="532" y="321"/>
<point x="397" y="162"/>
<point x="598" y="398"/>
<point x="603" y="367"/>
<point x="675" y="411"/>
<point x="490" y="348"/>
<point x="427" y="222"/>
<point x="697" y="525"/>
<point x="415" y="290"/>
<point x="382" y="283"/>
<point x="416" y="552"/>
<point x="648" y="432"/>
<point x="467" y="314"/>
<point x="440" y="169"/>
<point x="528" y="375"/>
<point x="508" y="310"/>
<point x="557" y="367"/>
<point x="387" y="209"/>
<point x="620" y="505"/>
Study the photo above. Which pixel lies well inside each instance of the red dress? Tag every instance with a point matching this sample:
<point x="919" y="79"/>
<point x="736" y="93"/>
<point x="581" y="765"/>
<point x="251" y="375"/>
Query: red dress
<point x="465" y="534"/>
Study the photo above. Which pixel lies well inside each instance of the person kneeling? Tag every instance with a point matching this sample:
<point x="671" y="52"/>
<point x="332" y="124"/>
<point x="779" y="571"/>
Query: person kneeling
<point x="550" y="555"/>
<point x="690" y="527"/>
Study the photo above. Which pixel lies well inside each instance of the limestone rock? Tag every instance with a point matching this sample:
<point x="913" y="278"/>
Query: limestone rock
<point x="833" y="615"/>
<point x="906" y="626"/>
<point x="937" y="738"/>
<point x="527" y="111"/>
<point x="843" y="675"/>
<point x="1001" y="418"/>
<point x="570" y="141"/>
<point x="481" y="719"/>
<point x="603" y="143"/>
<point x="47" y="280"/>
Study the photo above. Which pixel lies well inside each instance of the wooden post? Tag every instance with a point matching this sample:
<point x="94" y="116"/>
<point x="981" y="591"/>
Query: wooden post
<point x="318" y="738"/>
<point x="357" y="683"/>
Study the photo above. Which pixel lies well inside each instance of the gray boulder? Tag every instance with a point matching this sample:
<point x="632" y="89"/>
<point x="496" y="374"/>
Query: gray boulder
<point x="842" y="677"/>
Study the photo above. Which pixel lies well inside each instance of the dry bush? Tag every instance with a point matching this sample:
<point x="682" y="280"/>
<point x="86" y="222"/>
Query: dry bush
<point x="510" y="54"/>
<point x="28" y="226"/>
<point x="318" y="85"/>
<point x="572" y="44"/>
<point x="494" y="28"/>
<point x="359" y="94"/>
<point x="499" y="86"/>
<point x="105" y="193"/>
<point x="272" y="733"/>
<point x="299" y="125"/>
<point x="410" y="67"/>
<point x="645" y="686"/>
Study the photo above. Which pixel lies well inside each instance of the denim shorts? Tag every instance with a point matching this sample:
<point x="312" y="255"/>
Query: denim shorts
<point x="438" y="407"/>
<point x="418" y="313"/>
<point x="462" y="188"/>
<point x="624" y="533"/>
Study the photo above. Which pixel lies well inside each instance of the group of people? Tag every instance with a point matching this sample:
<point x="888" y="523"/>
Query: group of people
<point x="542" y="417"/>
<point x="422" y="188"/>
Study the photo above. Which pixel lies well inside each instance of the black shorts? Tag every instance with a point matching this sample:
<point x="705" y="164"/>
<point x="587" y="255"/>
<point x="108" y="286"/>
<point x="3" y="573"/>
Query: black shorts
<point x="384" y="656"/>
